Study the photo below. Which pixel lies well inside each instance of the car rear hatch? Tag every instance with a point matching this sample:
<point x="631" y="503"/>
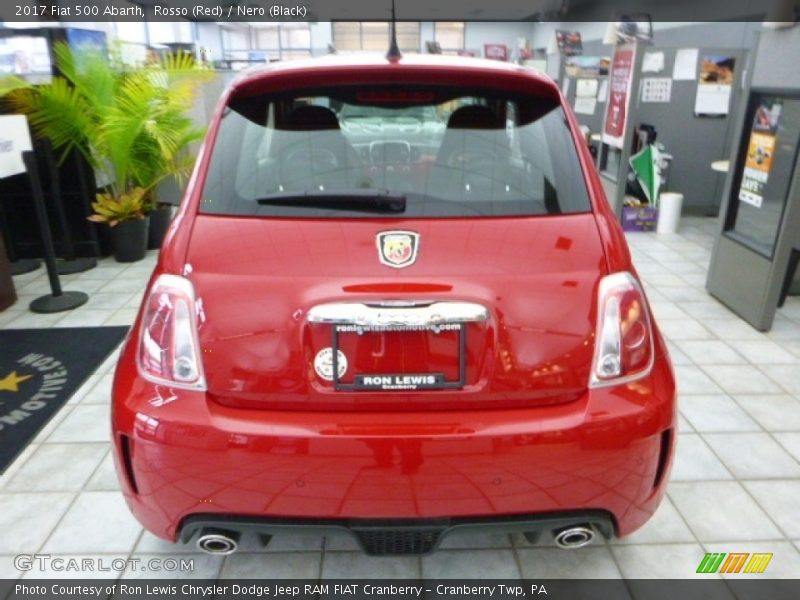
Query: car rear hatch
<point x="493" y="313"/>
<point x="339" y="268"/>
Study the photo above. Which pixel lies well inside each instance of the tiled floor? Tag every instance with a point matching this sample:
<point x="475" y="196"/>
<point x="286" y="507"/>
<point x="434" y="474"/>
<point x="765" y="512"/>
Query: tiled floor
<point x="735" y="483"/>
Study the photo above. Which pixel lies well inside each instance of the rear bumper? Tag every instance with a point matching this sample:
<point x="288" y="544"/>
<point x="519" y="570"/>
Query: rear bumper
<point x="183" y="458"/>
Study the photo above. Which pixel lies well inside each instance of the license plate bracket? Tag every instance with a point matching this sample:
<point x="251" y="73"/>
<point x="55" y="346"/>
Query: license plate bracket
<point x="400" y="381"/>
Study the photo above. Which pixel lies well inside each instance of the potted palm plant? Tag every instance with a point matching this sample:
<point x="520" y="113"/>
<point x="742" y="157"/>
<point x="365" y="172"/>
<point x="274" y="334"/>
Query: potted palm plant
<point x="129" y="124"/>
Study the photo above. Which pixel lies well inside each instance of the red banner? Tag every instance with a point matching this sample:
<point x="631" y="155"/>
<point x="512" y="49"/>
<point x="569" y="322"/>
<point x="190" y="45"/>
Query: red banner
<point x="619" y="96"/>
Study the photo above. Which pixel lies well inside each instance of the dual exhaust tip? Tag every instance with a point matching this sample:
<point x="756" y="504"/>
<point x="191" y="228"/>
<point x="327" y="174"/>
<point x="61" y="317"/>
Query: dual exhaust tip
<point x="223" y="541"/>
<point x="574" y="537"/>
<point x="218" y="541"/>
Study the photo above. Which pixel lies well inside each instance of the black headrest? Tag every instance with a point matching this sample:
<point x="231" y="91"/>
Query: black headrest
<point x="312" y="118"/>
<point x="474" y="117"/>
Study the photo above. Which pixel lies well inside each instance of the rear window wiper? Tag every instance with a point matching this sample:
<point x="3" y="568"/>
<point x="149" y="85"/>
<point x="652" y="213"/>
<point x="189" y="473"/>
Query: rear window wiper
<point x="355" y="200"/>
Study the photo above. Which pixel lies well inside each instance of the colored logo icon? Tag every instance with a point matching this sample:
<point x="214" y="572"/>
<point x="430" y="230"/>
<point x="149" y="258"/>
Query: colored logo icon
<point x="734" y="562"/>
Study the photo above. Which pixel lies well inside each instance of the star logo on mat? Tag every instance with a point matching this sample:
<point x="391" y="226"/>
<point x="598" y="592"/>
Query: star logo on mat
<point x="10" y="383"/>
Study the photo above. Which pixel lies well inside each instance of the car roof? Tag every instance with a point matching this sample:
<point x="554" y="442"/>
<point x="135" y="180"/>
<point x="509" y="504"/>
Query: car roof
<point x="472" y="69"/>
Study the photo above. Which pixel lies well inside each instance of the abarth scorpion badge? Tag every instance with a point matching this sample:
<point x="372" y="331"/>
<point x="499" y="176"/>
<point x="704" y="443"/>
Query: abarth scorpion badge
<point x="397" y="249"/>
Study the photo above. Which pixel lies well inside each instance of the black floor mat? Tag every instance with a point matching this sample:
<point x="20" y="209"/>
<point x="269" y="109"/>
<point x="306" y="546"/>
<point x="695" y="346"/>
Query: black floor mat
<point x="39" y="370"/>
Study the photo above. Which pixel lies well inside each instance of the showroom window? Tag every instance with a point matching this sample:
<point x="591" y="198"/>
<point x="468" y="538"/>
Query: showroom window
<point x="132" y="38"/>
<point x="450" y="36"/>
<point x="273" y="41"/>
<point x="373" y="36"/>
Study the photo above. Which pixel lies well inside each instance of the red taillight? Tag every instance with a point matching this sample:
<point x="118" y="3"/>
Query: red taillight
<point x="624" y="345"/>
<point x="169" y="350"/>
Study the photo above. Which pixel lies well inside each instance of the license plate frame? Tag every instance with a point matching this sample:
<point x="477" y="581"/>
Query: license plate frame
<point x="441" y="383"/>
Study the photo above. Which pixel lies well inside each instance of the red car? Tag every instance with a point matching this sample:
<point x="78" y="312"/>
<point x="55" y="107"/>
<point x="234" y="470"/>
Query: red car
<point x="394" y="301"/>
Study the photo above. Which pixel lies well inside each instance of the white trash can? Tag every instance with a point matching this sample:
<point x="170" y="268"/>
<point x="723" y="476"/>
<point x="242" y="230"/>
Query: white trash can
<point x="669" y="212"/>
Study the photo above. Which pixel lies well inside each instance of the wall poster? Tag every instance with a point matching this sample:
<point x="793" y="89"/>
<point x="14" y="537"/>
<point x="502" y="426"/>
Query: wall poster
<point x="714" y="85"/>
<point x="619" y="95"/>
<point x="760" y="151"/>
<point x="495" y="52"/>
<point x="569" y="42"/>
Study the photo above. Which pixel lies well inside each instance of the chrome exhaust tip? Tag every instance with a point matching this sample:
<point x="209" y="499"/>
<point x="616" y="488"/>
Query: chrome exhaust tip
<point x="218" y="541"/>
<point x="574" y="537"/>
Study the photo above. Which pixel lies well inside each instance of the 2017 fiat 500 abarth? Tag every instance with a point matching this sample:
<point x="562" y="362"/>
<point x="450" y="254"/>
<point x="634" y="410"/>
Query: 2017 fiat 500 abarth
<point x="394" y="301"/>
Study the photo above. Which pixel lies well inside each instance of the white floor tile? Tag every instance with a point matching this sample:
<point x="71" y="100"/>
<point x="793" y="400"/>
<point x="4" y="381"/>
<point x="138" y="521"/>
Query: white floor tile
<point x="104" y="478"/>
<point x="26" y="520"/>
<point x="780" y="500"/>
<point x="356" y="565"/>
<point x="707" y="310"/>
<point x="742" y="379"/>
<point x="694" y="461"/>
<point x="294" y="565"/>
<point x="155" y="566"/>
<point x="790" y="442"/>
<point x="721" y="511"/>
<point x="16" y="464"/>
<point x="58" y="468"/>
<point x="71" y="566"/>
<point x="715" y="413"/>
<point x="773" y="412"/>
<point x="98" y="522"/>
<point x="693" y="380"/>
<point x="753" y="455"/>
<point x="733" y="329"/>
<point x="150" y="544"/>
<point x="470" y="564"/>
<point x="123" y="316"/>
<point x="591" y="562"/>
<point x="101" y="392"/>
<point x="710" y="352"/>
<point x="85" y="318"/>
<point x="8" y="570"/>
<point x="85" y="423"/>
<point x="53" y="423"/>
<point x="666" y="526"/>
<point x="683" y="329"/>
<point x="787" y="376"/>
<point x="659" y="561"/>
<point x="764" y="352"/>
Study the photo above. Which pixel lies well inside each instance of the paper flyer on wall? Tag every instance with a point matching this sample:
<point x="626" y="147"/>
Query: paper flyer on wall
<point x="714" y="85"/>
<point x="602" y="93"/>
<point x="586" y="88"/>
<point x="585" y="105"/>
<point x="656" y="89"/>
<point x="760" y="151"/>
<point x="619" y="96"/>
<point x="685" y="68"/>
<point x="15" y="138"/>
<point x="653" y="62"/>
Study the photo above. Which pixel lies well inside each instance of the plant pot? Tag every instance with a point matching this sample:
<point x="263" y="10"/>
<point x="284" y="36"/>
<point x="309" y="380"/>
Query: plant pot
<point x="129" y="240"/>
<point x="160" y="219"/>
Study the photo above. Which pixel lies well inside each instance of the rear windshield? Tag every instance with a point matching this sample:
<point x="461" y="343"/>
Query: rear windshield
<point x="392" y="152"/>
